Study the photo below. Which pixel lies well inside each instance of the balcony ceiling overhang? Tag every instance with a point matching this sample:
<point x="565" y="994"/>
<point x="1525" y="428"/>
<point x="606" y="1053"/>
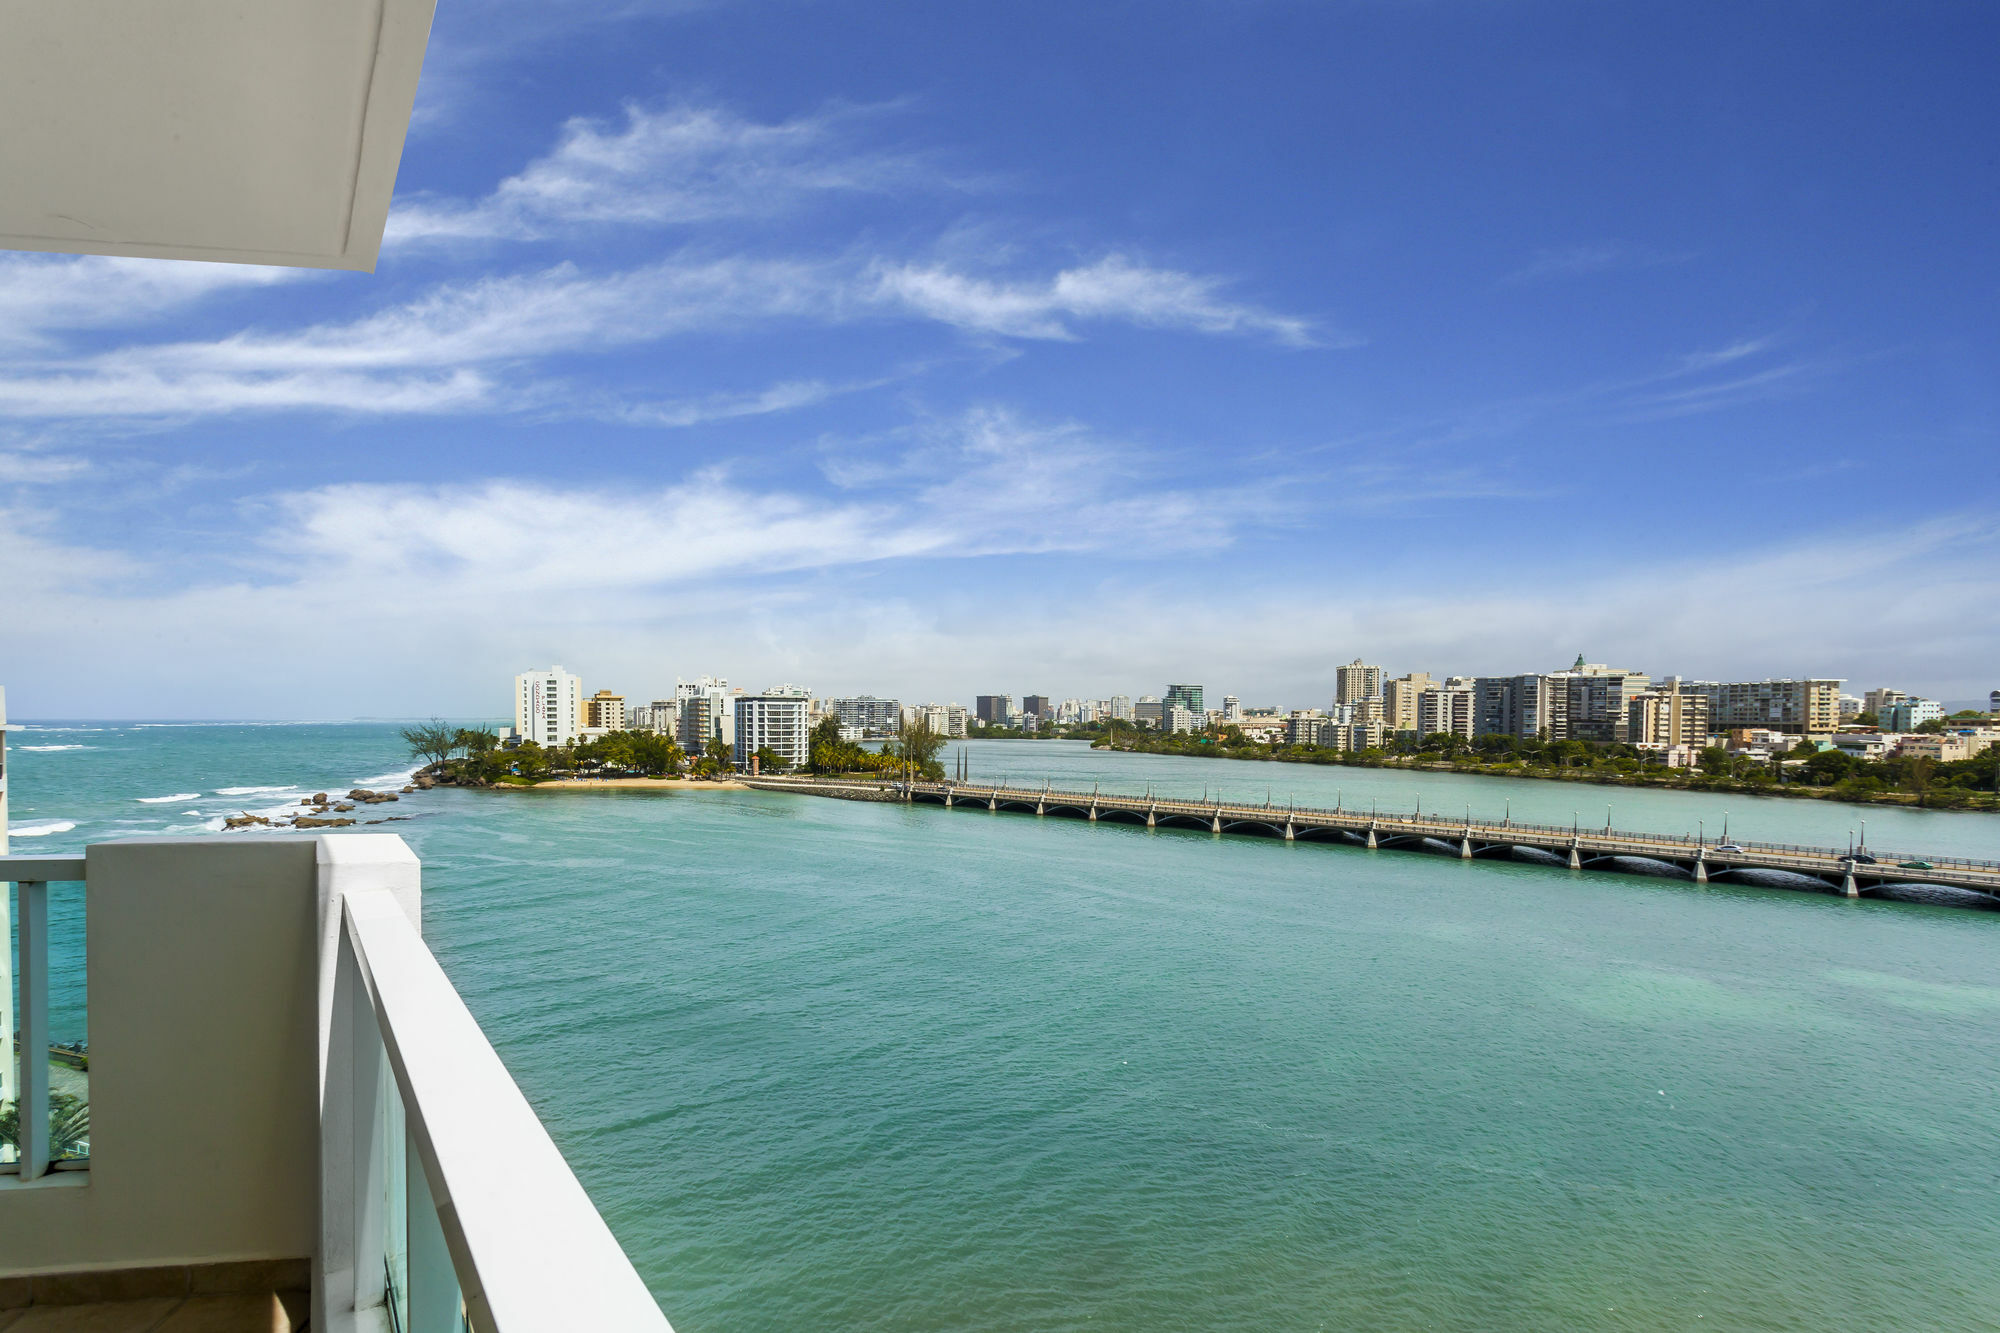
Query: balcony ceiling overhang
<point x="245" y="131"/>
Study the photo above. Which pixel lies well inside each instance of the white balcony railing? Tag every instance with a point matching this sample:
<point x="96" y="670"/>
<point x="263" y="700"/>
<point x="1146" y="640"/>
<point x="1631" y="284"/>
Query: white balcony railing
<point x="437" y="1200"/>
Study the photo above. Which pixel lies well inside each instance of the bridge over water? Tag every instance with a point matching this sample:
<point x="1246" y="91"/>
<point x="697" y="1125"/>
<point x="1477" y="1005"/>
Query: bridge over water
<point x="1580" y="848"/>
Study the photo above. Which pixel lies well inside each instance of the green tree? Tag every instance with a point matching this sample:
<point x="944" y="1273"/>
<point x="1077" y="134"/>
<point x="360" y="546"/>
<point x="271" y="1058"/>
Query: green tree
<point x="1715" y="761"/>
<point x="718" y="755"/>
<point x="434" y="741"/>
<point x="915" y="749"/>
<point x="770" y="761"/>
<point x="531" y="760"/>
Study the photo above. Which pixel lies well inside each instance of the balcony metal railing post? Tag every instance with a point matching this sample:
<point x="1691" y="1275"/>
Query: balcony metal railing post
<point x="434" y="1293"/>
<point x="33" y="1102"/>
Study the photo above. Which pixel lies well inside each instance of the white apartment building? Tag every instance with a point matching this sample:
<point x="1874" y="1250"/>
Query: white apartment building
<point x="1232" y="708"/>
<point x="1446" y="709"/>
<point x="705" y="713"/>
<point x="548" y="707"/>
<point x="1178" y="718"/>
<point x="775" y="719"/>
<point x="661" y="715"/>
<point x="1119" y="708"/>
<point x="944" y="719"/>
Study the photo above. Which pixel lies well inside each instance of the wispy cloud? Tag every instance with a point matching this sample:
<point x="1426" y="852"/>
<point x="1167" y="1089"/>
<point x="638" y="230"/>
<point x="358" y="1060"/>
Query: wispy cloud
<point x="1575" y="261"/>
<point x="673" y="165"/>
<point x="1114" y="289"/>
<point x="437" y="352"/>
<point x="41" y="295"/>
<point x="24" y="468"/>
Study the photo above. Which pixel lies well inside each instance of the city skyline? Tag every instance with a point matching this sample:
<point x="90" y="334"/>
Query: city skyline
<point x="829" y="344"/>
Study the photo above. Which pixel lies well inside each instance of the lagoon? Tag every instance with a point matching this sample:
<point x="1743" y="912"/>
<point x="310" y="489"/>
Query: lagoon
<point x="830" y="1064"/>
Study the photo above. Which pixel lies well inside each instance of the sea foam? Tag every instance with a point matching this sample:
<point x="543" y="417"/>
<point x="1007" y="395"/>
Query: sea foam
<point x="50" y="749"/>
<point x="169" y="800"/>
<point x="42" y="830"/>
<point x="251" y="791"/>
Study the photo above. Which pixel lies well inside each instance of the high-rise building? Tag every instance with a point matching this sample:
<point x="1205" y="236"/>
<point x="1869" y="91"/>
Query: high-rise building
<point x="1795" y="707"/>
<point x="661" y="715"/>
<point x="1526" y="706"/>
<point x="1147" y="712"/>
<point x="1183" y="696"/>
<point x="604" y="711"/>
<point x="1304" y="726"/>
<point x="774" y="720"/>
<point x="1119" y="706"/>
<point x="1667" y="717"/>
<point x="1399" y="700"/>
<point x="875" y="717"/>
<point x="993" y="709"/>
<point x="705" y="713"/>
<point x="1181" y="719"/>
<point x="548" y="707"/>
<point x="1037" y="707"/>
<point x="1232" y="708"/>
<point x="1446" y="709"/>
<point x="1993" y="702"/>
<point x="1596" y="709"/>
<point x="1357" y="681"/>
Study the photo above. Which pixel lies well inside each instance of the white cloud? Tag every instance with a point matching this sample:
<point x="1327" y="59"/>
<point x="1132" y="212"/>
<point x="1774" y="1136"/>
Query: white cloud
<point x="435" y="353"/>
<point x="675" y="165"/>
<point x="43" y="294"/>
<point x="25" y="468"/>
<point x="1111" y="289"/>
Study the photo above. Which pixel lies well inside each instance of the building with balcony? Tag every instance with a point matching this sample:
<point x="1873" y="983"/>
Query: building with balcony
<point x="548" y="707"/>
<point x="774" y="720"/>
<point x="604" y="711"/>
<point x="1183" y="696"/>
<point x="874" y="717"/>
<point x="1399" y="700"/>
<point x="1808" y="707"/>
<point x="706" y="712"/>
<point x="1356" y="681"/>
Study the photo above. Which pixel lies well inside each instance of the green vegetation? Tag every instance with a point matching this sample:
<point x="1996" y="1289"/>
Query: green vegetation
<point x="69" y="1124"/>
<point x="914" y="749"/>
<point x="473" y="756"/>
<point x="1806" y="771"/>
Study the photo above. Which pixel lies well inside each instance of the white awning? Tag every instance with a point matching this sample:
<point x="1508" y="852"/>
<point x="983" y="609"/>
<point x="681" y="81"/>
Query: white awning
<point x="248" y="131"/>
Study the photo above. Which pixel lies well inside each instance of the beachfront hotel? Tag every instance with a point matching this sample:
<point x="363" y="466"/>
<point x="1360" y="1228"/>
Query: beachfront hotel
<point x="294" y="1118"/>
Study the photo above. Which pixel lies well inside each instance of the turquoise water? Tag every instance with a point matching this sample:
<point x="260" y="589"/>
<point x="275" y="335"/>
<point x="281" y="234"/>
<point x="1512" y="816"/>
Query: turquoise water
<point x="836" y="1065"/>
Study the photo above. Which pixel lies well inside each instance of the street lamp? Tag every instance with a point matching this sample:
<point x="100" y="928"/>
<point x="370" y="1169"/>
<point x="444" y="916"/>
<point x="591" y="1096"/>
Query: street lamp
<point x="1607" y="819"/>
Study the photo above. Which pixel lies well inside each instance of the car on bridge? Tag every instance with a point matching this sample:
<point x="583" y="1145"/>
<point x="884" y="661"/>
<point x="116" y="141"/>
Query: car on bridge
<point x="1916" y="865"/>
<point x="1727" y="847"/>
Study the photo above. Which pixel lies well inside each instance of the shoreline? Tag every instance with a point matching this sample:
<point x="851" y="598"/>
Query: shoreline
<point x="622" y="784"/>
<point x="1980" y="803"/>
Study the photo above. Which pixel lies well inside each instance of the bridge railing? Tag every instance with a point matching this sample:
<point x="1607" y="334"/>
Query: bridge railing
<point x="1420" y="823"/>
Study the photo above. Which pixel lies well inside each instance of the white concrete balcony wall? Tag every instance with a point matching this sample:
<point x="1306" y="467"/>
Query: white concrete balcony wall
<point x="202" y="977"/>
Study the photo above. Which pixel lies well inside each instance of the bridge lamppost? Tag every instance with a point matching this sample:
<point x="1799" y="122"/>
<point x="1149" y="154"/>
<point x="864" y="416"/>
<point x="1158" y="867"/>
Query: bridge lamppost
<point x="1607" y="819"/>
<point x="1864" y="835"/>
<point x="1575" y="823"/>
<point x="1701" y="838"/>
<point x="1510" y="813"/>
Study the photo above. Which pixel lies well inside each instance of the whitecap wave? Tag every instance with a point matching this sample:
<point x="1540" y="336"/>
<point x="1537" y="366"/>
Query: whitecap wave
<point x="43" y="829"/>
<point x="396" y="779"/>
<point x="255" y="791"/>
<point x="169" y="800"/>
<point x="50" y="749"/>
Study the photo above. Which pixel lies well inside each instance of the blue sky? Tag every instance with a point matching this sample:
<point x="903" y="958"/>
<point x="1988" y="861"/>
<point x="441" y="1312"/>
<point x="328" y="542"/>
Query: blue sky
<point x="937" y="349"/>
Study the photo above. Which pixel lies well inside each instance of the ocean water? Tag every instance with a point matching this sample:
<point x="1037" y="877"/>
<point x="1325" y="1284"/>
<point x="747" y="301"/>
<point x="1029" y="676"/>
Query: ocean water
<point x="839" y="1065"/>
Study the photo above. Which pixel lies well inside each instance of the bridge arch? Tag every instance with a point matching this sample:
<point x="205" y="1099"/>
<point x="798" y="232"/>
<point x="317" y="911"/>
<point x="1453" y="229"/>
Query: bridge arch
<point x="1183" y="821"/>
<point x="1256" y="828"/>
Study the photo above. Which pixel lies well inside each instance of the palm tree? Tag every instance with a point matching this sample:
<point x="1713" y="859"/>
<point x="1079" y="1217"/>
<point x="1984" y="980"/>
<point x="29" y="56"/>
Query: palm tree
<point x="69" y="1124"/>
